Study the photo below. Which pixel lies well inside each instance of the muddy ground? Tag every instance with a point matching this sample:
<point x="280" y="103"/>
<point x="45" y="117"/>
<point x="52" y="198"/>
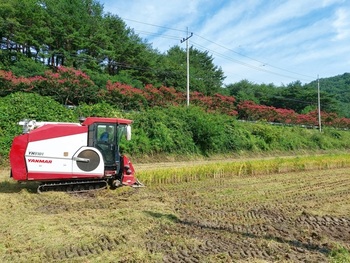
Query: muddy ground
<point x="294" y="217"/>
<point x="250" y="220"/>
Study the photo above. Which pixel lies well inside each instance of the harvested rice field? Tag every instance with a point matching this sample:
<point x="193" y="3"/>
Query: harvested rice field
<point x="278" y="217"/>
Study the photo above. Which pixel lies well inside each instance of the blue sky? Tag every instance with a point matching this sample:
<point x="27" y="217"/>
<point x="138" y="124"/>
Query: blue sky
<point x="262" y="41"/>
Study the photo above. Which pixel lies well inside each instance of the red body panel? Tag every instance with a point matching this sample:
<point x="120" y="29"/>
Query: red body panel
<point x="50" y="131"/>
<point x="17" y="160"/>
<point x="128" y="177"/>
<point x="92" y="120"/>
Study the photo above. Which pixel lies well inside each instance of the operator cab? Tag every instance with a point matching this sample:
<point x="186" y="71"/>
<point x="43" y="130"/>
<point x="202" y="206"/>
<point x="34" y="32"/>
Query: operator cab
<point x="106" y="142"/>
<point x="106" y="137"/>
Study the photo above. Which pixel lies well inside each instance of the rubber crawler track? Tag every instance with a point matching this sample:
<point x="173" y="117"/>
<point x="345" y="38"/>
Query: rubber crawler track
<point x="72" y="186"/>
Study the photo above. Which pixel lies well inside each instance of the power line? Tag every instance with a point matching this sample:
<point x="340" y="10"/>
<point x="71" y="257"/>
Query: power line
<point x="244" y="63"/>
<point x="263" y="63"/>
<point x="169" y="28"/>
<point x="240" y="54"/>
<point x="234" y="60"/>
<point x="157" y="34"/>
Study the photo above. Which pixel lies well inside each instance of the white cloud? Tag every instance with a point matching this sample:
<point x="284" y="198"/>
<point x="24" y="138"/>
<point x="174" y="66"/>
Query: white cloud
<point x="306" y="37"/>
<point x="342" y="24"/>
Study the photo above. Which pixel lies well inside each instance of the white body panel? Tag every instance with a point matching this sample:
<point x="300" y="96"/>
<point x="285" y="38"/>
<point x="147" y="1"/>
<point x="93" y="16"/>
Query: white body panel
<point x="56" y="156"/>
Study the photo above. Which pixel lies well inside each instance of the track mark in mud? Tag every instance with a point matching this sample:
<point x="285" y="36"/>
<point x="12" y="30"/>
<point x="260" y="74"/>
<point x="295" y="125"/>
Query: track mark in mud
<point x="103" y="244"/>
<point x="273" y="223"/>
<point x="240" y="231"/>
<point x="336" y="228"/>
<point x="211" y="243"/>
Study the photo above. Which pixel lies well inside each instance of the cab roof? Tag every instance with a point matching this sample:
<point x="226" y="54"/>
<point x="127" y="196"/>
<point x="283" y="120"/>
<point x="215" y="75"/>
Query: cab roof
<point x="91" y="120"/>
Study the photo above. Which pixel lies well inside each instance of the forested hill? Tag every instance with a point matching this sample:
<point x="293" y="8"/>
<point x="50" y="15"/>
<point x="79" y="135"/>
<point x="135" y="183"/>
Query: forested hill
<point x="302" y="98"/>
<point x="339" y="87"/>
<point x="36" y="35"/>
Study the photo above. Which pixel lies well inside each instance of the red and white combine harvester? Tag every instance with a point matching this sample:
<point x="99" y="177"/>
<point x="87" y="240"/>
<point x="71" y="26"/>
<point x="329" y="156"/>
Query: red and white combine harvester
<point x="73" y="157"/>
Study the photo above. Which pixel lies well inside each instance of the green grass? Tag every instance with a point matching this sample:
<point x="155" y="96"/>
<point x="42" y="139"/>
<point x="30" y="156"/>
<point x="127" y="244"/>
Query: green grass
<point x="340" y="255"/>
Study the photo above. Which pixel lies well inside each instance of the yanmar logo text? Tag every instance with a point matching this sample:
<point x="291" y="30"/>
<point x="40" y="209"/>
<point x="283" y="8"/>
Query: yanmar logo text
<point x="39" y="161"/>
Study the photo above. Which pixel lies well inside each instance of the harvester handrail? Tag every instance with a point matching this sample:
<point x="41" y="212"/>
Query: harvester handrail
<point x="29" y="125"/>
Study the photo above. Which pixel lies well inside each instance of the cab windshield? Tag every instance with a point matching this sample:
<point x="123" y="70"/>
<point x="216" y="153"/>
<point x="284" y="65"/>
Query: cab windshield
<point x="121" y="132"/>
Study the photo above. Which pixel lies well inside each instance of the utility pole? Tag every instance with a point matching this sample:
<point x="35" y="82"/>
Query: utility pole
<point x="319" y="103"/>
<point x="188" y="65"/>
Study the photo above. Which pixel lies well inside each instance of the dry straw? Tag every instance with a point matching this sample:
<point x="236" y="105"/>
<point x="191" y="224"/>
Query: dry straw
<point x="225" y="169"/>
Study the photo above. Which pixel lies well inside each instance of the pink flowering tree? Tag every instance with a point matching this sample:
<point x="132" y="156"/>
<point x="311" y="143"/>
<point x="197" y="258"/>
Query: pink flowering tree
<point x="249" y="110"/>
<point x="224" y="104"/>
<point x="286" y="116"/>
<point x="68" y="86"/>
<point x="215" y="103"/>
<point x="124" y="96"/>
<point x="153" y="96"/>
<point x="10" y="83"/>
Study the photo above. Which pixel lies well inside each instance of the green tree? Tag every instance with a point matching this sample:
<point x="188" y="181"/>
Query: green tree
<point x="8" y="28"/>
<point x="32" y="30"/>
<point x="123" y="54"/>
<point x="205" y="77"/>
<point x="297" y="97"/>
<point x="243" y="90"/>
<point x="247" y="90"/>
<point x="69" y="23"/>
